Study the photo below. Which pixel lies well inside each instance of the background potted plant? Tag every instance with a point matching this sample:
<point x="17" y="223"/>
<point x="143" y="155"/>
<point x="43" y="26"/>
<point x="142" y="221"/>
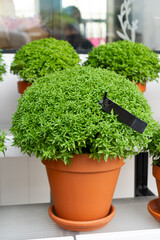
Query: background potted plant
<point x="154" y="149"/>
<point x="133" y="60"/>
<point x="2" y="67"/>
<point x="2" y="133"/>
<point x="2" y="141"/>
<point x="60" y="120"/>
<point x="41" y="57"/>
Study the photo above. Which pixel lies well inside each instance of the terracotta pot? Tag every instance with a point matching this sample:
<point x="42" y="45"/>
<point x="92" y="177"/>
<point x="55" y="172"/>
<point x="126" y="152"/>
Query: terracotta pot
<point x="142" y="87"/>
<point x="84" y="191"/>
<point x="156" y="174"/>
<point x="79" y="226"/>
<point x="154" y="205"/>
<point x="22" y="85"/>
<point x="154" y="208"/>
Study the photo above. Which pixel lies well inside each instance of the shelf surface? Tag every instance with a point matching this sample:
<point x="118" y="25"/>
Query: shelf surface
<point x="131" y="235"/>
<point x="26" y="222"/>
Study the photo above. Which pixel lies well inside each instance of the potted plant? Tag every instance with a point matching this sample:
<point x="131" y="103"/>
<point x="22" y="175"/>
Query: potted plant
<point x="83" y="148"/>
<point x="2" y="133"/>
<point x="133" y="60"/>
<point x="41" y="57"/>
<point x="2" y="66"/>
<point x="2" y="141"/>
<point x="154" y="149"/>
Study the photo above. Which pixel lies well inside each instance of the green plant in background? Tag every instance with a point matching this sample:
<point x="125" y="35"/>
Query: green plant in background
<point x="133" y="60"/>
<point x="154" y="147"/>
<point x="59" y="116"/>
<point x="41" y="57"/>
<point x="2" y="133"/>
<point x="2" y="141"/>
<point x="2" y="67"/>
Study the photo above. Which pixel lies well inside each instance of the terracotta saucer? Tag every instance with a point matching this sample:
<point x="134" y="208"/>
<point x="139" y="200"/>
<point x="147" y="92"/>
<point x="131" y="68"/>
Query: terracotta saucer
<point x="154" y="208"/>
<point x="81" y="225"/>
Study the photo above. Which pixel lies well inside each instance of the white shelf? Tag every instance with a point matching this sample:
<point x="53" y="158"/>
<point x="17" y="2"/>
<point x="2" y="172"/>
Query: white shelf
<point x="132" y="221"/>
<point x="131" y="235"/>
<point x="54" y="238"/>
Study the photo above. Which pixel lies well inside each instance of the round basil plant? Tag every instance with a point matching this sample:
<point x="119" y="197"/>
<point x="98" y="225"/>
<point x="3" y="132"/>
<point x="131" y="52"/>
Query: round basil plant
<point x="60" y="115"/>
<point x="154" y="148"/>
<point x="41" y="57"/>
<point x="133" y="60"/>
<point x="2" y="67"/>
<point x="2" y="133"/>
<point x="2" y="141"/>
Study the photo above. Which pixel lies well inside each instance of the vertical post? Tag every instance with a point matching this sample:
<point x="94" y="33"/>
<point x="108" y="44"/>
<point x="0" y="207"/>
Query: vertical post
<point x="141" y="175"/>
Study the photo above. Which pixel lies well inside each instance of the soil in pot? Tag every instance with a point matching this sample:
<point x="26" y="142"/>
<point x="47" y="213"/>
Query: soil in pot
<point x="84" y="191"/>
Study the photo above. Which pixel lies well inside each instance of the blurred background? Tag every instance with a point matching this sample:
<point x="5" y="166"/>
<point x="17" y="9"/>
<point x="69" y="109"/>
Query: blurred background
<point x="84" y="23"/>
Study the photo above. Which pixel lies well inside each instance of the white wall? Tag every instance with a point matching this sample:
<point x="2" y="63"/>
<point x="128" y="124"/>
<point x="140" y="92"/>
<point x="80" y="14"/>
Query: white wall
<point x="23" y="179"/>
<point x="148" y="14"/>
<point x="8" y="95"/>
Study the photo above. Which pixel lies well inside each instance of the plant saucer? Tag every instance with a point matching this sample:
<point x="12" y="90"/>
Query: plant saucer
<point x="81" y="225"/>
<point x="154" y="208"/>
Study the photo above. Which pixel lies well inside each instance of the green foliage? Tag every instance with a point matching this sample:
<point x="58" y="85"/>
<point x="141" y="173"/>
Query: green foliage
<point x="133" y="60"/>
<point x="59" y="116"/>
<point x="2" y="141"/>
<point x="154" y="147"/>
<point x="42" y="57"/>
<point x="2" y="67"/>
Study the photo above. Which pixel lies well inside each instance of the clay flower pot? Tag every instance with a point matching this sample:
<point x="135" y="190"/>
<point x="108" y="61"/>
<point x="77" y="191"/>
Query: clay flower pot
<point x="154" y="205"/>
<point x="142" y="87"/>
<point x="84" y="191"/>
<point x="156" y="174"/>
<point x="154" y="208"/>
<point x="22" y="85"/>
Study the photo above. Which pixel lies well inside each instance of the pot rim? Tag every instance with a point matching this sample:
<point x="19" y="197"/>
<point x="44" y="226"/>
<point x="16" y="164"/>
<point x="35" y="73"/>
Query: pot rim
<point x="82" y="164"/>
<point x="156" y="172"/>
